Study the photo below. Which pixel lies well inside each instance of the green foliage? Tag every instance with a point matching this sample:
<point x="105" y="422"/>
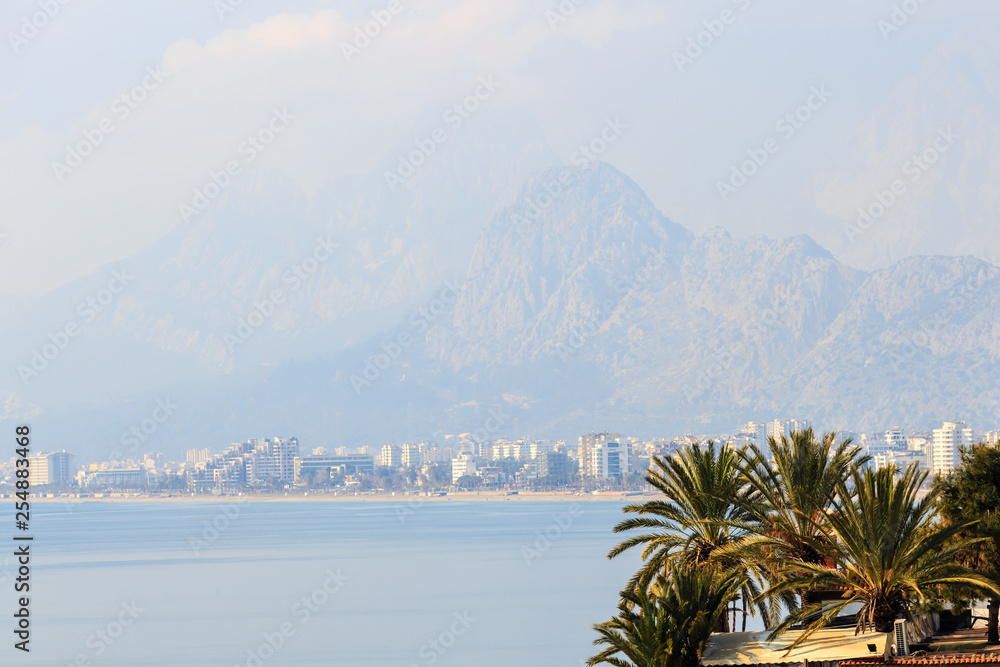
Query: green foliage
<point x="440" y="473"/>
<point x="701" y="487"/>
<point x="469" y="482"/>
<point x="668" y="624"/>
<point x="792" y="494"/>
<point x="701" y="521"/>
<point x="971" y="493"/>
<point x="887" y="553"/>
<point x="774" y="529"/>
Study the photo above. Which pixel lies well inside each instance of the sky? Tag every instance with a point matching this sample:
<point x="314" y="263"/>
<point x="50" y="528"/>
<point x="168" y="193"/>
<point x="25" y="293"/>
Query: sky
<point x="872" y="90"/>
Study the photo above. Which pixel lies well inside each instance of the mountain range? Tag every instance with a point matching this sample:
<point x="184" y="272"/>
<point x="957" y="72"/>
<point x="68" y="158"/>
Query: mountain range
<point x="552" y="300"/>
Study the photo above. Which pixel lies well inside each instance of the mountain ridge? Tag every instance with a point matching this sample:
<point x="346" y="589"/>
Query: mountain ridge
<point x="583" y="309"/>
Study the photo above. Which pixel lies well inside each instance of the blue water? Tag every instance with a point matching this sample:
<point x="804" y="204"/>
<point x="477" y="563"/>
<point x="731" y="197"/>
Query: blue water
<point x="471" y="577"/>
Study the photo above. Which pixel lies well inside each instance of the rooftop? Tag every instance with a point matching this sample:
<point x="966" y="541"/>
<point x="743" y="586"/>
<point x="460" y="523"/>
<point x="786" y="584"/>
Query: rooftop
<point x="930" y="659"/>
<point x="947" y="646"/>
<point x="751" y="648"/>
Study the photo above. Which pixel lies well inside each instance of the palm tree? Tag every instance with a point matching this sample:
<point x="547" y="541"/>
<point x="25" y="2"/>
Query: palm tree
<point x="668" y="624"/>
<point x="791" y="493"/>
<point x="971" y="490"/>
<point x="703" y="501"/>
<point x="887" y="553"/>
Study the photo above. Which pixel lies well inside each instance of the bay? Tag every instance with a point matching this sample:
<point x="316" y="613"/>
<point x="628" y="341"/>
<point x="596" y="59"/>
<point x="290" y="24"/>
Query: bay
<point x="380" y="584"/>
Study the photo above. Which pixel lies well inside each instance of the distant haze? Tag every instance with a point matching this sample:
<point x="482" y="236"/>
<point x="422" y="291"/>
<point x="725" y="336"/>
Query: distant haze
<point x="689" y="120"/>
<point x="642" y="217"/>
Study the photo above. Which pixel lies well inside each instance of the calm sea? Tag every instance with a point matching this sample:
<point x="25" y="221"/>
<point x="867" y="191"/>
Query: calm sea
<point x="476" y="584"/>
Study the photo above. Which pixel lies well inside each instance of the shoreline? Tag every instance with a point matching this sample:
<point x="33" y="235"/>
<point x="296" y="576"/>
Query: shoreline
<point x="470" y="496"/>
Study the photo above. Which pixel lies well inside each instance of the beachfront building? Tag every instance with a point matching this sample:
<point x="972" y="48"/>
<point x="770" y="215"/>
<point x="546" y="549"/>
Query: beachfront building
<point x="114" y="478"/>
<point x="611" y="459"/>
<point x="585" y="449"/>
<point x="272" y="459"/>
<point x="256" y="460"/>
<point x="50" y="468"/>
<point x="306" y="467"/>
<point x="553" y="464"/>
<point x="412" y="456"/>
<point x="465" y="464"/>
<point x="391" y="456"/>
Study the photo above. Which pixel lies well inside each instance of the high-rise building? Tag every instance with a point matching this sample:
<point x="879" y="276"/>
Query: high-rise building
<point x="585" y="449"/>
<point x="943" y="456"/>
<point x="412" y="456"/>
<point x="392" y="456"/>
<point x="50" y="468"/>
<point x="256" y="460"/>
<point x="272" y="458"/>
<point x="611" y="459"/>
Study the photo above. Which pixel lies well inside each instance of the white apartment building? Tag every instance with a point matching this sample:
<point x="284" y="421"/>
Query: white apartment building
<point x="392" y="456"/>
<point x="943" y="455"/>
<point x="585" y="449"/>
<point x="272" y="458"/>
<point x="612" y="459"/>
<point x="465" y="464"/>
<point x="412" y="455"/>
<point x="510" y="449"/>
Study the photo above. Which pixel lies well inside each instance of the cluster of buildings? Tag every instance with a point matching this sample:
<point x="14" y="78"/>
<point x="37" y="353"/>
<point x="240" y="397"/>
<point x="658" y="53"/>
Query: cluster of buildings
<point x="256" y="461"/>
<point x="937" y="451"/>
<point x="601" y="456"/>
<point x="274" y="463"/>
<point x="413" y="455"/>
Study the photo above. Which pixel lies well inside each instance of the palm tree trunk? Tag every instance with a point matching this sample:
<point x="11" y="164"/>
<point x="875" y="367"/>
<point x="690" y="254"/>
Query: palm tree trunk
<point x="992" y="635"/>
<point x="744" y="613"/>
<point x="890" y="639"/>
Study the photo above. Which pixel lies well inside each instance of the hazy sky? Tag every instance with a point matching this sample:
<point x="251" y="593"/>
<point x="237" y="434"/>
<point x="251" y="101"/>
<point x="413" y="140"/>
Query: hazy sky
<point x="877" y="98"/>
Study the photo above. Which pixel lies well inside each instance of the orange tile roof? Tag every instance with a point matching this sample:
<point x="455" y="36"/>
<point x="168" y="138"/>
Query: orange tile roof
<point x="945" y="659"/>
